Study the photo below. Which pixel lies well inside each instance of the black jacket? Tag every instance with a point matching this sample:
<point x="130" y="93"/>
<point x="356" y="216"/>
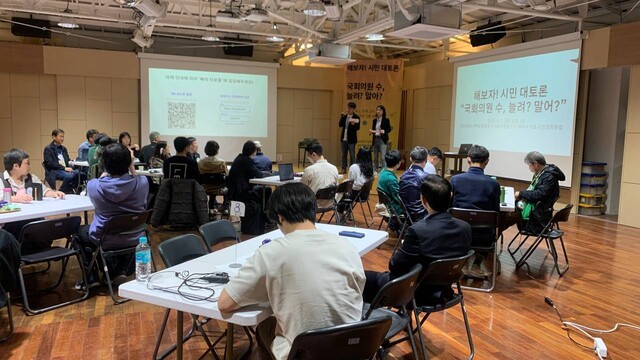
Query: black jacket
<point x="242" y="170"/>
<point x="51" y="157"/>
<point x="351" y="129"/>
<point x="385" y="125"/>
<point x="543" y="195"/>
<point x="146" y="153"/>
<point x="437" y="236"/>
<point x="180" y="203"/>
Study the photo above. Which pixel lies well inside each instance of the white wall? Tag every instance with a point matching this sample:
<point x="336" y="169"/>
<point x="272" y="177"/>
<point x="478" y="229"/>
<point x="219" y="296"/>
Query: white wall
<point x="606" y="116"/>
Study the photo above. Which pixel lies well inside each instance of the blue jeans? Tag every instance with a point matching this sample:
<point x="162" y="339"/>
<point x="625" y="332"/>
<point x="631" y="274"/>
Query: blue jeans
<point x="379" y="147"/>
<point x="69" y="180"/>
<point x="352" y="153"/>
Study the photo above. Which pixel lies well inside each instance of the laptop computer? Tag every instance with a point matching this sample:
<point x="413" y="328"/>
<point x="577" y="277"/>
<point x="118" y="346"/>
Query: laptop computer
<point x="464" y="149"/>
<point x="285" y="171"/>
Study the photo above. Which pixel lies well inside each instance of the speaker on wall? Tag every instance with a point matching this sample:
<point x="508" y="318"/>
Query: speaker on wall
<point x="33" y="30"/>
<point x="496" y="31"/>
<point x="244" y="50"/>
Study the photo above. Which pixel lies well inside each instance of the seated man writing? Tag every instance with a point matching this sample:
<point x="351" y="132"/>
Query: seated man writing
<point x="117" y="192"/>
<point x="311" y="278"/>
<point x="22" y="183"/>
<point x="437" y="236"/>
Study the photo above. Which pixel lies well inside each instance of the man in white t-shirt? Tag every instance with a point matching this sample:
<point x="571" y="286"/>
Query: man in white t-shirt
<point x="435" y="156"/>
<point x="310" y="278"/>
<point x="320" y="174"/>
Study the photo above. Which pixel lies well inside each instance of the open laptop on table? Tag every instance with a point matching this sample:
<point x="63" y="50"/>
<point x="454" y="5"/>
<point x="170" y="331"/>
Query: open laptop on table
<point x="464" y="149"/>
<point x="285" y="171"/>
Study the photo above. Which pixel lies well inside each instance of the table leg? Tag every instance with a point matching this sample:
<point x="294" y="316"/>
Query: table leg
<point x="228" y="351"/>
<point x="179" y="339"/>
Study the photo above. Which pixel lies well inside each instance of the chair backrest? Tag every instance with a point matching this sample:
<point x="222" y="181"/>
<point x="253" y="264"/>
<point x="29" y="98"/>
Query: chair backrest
<point x="386" y="201"/>
<point x="359" y="340"/>
<point x="49" y="230"/>
<point x="445" y="271"/>
<point x="562" y="215"/>
<point x="328" y="193"/>
<point x="216" y="232"/>
<point x="397" y="292"/>
<point x="127" y="224"/>
<point x="365" y="190"/>
<point x="345" y="187"/>
<point x="483" y="223"/>
<point x="181" y="248"/>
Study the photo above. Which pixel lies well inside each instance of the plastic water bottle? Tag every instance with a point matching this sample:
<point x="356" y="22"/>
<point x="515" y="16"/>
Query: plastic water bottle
<point x="6" y="195"/>
<point x="143" y="260"/>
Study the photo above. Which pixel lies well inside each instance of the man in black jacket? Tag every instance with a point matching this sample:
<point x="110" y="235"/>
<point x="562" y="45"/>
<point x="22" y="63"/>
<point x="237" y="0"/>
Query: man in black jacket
<point x="437" y="236"/>
<point x="542" y="192"/>
<point x="242" y="170"/>
<point x="350" y="124"/>
<point x="56" y="162"/>
<point x="180" y="165"/>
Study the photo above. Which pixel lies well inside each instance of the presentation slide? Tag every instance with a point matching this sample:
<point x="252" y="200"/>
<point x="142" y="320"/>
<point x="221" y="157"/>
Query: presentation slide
<point x="210" y="99"/>
<point x="518" y="103"/>
<point x="225" y="104"/>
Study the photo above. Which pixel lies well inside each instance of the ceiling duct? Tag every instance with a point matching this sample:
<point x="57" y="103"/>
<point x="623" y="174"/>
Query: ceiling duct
<point x="434" y="23"/>
<point x="330" y="54"/>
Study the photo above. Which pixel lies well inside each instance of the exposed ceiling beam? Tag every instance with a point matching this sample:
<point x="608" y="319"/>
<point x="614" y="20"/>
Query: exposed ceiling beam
<point x="519" y="11"/>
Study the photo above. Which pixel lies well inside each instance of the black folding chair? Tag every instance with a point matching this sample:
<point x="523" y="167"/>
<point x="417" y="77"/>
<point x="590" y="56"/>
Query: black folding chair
<point x="345" y="202"/>
<point x="403" y="220"/>
<point x="359" y="340"/>
<point x="214" y="185"/>
<point x="46" y="231"/>
<point x="484" y="225"/>
<point x="397" y="293"/>
<point x="121" y="225"/>
<point x="363" y="197"/>
<point x="327" y="195"/>
<point x="443" y="272"/>
<point x="175" y="251"/>
<point x="550" y="234"/>
<point x="216" y="232"/>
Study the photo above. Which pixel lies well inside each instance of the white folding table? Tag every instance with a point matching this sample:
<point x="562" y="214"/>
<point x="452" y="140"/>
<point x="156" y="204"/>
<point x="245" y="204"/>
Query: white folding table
<point x="49" y="207"/>
<point x="220" y="261"/>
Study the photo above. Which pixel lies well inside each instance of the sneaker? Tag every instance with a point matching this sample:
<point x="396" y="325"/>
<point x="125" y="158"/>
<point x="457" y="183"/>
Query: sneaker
<point x="92" y="283"/>
<point x="476" y="272"/>
<point x="119" y="280"/>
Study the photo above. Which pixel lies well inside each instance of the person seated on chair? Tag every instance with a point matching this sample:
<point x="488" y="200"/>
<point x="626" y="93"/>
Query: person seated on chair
<point x="18" y="178"/>
<point x="118" y="191"/>
<point x="125" y="139"/>
<point x="192" y="151"/>
<point x="285" y="273"/>
<point x="212" y="164"/>
<point x="161" y="153"/>
<point x="361" y="171"/>
<point x="477" y="191"/>
<point x="242" y="170"/>
<point x="263" y="163"/>
<point x="320" y="174"/>
<point x="535" y="204"/>
<point x="437" y="236"/>
<point x="89" y="143"/>
<point x="181" y="144"/>
<point x="410" y="183"/>
<point x="56" y="161"/>
<point x="147" y="151"/>
<point x="388" y="181"/>
<point x="434" y="157"/>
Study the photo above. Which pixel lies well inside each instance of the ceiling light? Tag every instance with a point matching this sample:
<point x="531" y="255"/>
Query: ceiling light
<point x="374" y="37"/>
<point x="520" y="2"/>
<point x="68" y="23"/>
<point x="315" y="8"/>
<point x="539" y="5"/>
<point x="128" y="2"/>
<point x="210" y="36"/>
<point x="274" y="38"/>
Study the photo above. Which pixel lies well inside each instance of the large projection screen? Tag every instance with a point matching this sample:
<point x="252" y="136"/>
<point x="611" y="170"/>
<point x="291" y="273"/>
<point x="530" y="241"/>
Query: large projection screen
<point x="518" y="99"/>
<point x="210" y="99"/>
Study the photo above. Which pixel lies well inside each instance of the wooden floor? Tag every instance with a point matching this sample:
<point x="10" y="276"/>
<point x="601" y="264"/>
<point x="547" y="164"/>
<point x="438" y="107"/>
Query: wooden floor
<point x="512" y="322"/>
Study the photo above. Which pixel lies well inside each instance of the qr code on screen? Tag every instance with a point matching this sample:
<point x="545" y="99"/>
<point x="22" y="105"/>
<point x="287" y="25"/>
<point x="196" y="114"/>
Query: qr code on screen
<point x="181" y="115"/>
